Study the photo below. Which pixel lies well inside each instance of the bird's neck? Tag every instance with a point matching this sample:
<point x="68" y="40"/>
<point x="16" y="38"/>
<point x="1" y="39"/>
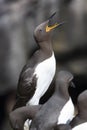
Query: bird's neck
<point x="46" y="47"/>
<point x="62" y="91"/>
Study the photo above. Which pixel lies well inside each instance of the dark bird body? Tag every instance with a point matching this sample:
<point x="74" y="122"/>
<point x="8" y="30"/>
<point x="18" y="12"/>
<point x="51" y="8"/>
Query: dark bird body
<point x="47" y="117"/>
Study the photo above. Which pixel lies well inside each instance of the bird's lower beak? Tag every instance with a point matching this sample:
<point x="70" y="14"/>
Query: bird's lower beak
<point x="49" y="28"/>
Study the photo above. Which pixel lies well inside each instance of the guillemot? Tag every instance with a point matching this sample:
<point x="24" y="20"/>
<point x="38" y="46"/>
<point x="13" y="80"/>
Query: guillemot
<point x="46" y="118"/>
<point x="18" y="117"/>
<point x="81" y="117"/>
<point x="39" y="72"/>
<point x="67" y="112"/>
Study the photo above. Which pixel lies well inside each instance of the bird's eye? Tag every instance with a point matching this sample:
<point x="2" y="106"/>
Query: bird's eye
<point x="40" y="30"/>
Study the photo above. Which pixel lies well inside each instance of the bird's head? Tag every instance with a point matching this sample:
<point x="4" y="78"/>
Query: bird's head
<point x="43" y="31"/>
<point x="65" y="76"/>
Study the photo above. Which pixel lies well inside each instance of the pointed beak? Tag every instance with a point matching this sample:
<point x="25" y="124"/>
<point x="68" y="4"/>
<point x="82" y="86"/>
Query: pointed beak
<point x="51" y="25"/>
<point x="49" y="28"/>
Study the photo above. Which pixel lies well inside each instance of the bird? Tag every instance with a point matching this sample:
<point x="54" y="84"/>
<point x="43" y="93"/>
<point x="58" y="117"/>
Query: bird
<point x="67" y="105"/>
<point x="81" y="117"/>
<point x="38" y="73"/>
<point x="46" y="118"/>
<point x="18" y="117"/>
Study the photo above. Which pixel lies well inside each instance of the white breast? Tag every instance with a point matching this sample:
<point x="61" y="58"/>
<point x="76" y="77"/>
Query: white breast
<point x="45" y="72"/>
<point x="82" y="126"/>
<point x="67" y="113"/>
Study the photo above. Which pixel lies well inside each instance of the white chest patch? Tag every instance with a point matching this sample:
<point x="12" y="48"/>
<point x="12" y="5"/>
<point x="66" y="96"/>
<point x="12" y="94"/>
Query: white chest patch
<point x="45" y="72"/>
<point x="82" y="126"/>
<point x="67" y="113"/>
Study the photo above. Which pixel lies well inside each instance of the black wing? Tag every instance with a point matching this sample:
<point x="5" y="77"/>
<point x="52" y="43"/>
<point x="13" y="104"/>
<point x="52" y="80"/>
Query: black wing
<point x="26" y="87"/>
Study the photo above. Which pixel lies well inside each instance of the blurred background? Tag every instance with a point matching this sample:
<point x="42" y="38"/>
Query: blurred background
<point x="18" y="19"/>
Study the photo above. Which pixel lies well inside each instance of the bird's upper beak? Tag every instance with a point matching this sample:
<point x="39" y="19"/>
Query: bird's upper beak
<point x="51" y="25"/>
